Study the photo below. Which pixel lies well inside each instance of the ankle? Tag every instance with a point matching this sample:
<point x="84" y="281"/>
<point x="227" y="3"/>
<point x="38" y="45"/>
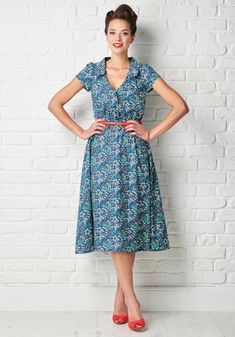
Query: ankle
<point x="120" y="295"/>
<point x="132" y="300"/>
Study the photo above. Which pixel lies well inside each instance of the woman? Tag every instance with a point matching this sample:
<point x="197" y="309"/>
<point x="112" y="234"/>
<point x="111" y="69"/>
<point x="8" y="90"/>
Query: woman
<point x="120" y="208"/>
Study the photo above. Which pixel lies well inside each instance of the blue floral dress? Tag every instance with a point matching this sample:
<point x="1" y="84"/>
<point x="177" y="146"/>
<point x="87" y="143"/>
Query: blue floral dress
<point x="120" y="207"/>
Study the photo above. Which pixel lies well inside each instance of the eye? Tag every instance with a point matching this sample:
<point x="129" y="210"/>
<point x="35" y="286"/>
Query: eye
<point x="114" y="33"/>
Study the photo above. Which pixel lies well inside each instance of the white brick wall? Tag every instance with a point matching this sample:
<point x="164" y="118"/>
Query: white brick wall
<point x="43" y="46"/>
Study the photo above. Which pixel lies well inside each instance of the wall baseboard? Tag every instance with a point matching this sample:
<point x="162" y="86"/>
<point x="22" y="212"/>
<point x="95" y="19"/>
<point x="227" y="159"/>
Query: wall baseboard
<point x="101" y="299"/>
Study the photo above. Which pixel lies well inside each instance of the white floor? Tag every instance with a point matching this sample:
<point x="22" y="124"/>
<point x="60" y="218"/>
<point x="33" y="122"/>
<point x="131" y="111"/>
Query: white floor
<point x="99" y="324"/>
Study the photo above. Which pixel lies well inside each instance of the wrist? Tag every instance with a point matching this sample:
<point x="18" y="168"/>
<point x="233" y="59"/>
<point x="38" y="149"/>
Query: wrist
<point x="80" y="133"/>
<point x="149" y="138"/>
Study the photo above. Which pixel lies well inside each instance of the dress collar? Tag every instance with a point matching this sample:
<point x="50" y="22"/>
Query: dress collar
<point x="133" y="67"/>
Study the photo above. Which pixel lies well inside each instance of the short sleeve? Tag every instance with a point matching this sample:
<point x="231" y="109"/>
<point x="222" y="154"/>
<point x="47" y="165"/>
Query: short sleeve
<point x="149" y="76"/>
<point x="86" y="75"/>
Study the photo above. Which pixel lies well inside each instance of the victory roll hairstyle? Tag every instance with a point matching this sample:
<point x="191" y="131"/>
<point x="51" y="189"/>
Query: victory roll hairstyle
<point x="124" y="12"/>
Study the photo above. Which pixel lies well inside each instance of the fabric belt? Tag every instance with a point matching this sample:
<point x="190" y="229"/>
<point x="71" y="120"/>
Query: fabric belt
<point x="115" y="123"/>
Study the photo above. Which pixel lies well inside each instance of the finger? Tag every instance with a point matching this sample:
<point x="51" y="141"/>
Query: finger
<point x="100" y="122"/>
<point x="135" y="122"/>
<point x="132" y="133"/>
<point x="130" y="128"/>
<point x="101" y="125"/>
<point x="99" y="132"/>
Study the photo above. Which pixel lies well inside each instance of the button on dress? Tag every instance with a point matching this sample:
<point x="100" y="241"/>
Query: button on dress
<point x="120" y="207"/>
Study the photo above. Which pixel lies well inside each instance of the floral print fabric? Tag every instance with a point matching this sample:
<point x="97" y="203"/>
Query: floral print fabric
<point x="120" y="206"/>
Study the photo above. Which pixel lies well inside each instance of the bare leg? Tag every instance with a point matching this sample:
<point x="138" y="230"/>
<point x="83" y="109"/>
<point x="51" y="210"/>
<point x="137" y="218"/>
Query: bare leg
<point x="120" y="307"/>
<point x="123" y="262"/>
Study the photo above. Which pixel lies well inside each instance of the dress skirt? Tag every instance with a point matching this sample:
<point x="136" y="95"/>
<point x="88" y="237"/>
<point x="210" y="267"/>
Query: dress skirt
<point x="120" y="207"/>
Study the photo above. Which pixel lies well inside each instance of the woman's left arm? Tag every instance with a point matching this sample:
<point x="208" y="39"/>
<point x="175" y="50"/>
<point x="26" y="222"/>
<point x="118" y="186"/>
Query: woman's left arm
<point x="178" y="104"/>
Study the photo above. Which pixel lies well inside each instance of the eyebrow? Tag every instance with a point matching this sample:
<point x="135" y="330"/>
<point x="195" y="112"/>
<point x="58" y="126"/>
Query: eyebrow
<point x="115" y="29"/>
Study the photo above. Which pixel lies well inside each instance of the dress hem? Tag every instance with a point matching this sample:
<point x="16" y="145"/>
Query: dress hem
<point x="125" y="251"/>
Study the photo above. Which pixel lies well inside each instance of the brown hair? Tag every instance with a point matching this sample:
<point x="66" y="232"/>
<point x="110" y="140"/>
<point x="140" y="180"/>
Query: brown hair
<point x="124" y="12"/>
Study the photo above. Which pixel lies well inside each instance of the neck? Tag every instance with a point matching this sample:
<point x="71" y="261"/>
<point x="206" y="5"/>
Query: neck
<point x="119" y="61"/>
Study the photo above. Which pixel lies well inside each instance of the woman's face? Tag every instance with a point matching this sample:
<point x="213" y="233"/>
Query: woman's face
<point x="119" y="34"/>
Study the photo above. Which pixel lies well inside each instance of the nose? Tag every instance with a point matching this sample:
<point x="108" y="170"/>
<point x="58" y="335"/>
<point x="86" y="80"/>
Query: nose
<point x="119" y="37"/>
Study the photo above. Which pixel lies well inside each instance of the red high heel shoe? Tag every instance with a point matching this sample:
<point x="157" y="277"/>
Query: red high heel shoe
<point x="120" y="319"/>
<point x="137" y="324"/>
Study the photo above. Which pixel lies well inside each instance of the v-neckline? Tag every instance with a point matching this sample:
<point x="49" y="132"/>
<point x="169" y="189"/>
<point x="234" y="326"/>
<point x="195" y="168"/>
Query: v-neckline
<point x="127" y="75"/>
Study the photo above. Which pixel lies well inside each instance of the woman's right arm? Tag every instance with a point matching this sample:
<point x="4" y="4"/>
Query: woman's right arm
<point x="57" y="102"/>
